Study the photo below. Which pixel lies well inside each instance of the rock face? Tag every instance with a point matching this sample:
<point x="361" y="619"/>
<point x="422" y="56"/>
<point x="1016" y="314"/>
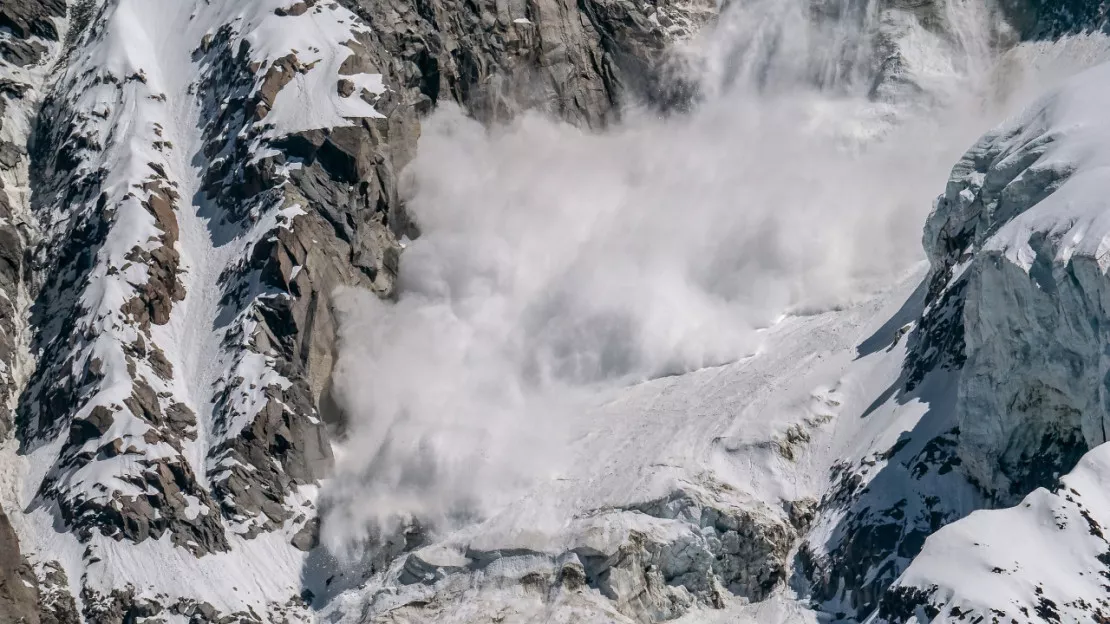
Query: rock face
<point x="19" y="600"/>
<point x="1041" y="19"/>
<point x="179" y="201"/>
<point x="1038" y="582"/>
<point x="33" y="30"/>
<point x="316" y="208"/>
<point x="574" y="60"/>
<point x="29" y="35"/>
<point x="1030" y="407"/>
<point x="33" y="19"/>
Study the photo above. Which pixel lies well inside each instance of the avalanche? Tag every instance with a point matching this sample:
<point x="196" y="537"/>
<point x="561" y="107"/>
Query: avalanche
<point x="471" y="311"/>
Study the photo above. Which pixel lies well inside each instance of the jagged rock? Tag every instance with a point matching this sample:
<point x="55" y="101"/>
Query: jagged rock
<point x="10" y="155"/>
<point x="1048" y="19"/>
<point x="19" y="594"/>
<point x="277" y="451"/>
<point x="298" y="8"/>
<point x="174" y="504"/>
<point x="348" y="181"/>
<point x="279" y="74"/>
<point x="801" y="513"/>
<point x="341" y="219"/>
<point x="182" y="420"/>
<point x="92" y="427"/>
<point x="32" y="18"/>
<point x="155" y="300"/>
<point x="57" y="603"/>
<point x="575" y="61"/>
<point x="296" y="214"/>
<point x="1035" y="391"/>
<point x="21" y="53"/>
<point x="308" y="537"/>
<point x="120" y="605"/>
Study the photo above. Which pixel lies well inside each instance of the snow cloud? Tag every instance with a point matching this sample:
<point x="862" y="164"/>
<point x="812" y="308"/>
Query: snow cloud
<point x="554" y="261"/>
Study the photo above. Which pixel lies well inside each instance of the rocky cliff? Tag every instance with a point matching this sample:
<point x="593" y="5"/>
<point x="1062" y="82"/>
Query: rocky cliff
<point x="1016" y="247"/>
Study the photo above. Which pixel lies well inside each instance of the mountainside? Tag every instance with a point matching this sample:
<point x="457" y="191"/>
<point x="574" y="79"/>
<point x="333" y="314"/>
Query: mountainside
<point x="590" y="311"/>
<point x="202" y="177"/>
<point x="1023" y="221"/>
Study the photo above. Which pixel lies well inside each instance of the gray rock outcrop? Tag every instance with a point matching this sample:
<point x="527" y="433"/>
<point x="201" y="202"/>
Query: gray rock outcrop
<point x="574" y="60"/>
<point x="19" y="596"/>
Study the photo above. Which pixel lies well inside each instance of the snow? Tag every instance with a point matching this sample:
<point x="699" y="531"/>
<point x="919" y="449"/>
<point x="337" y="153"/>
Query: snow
<point x="1073" y="121"/>
<point x="499" y="226"/>
<point x="318" y="39"/>
<point x="640" y="442"/>
<point x="256" y="572"/>
<point x="979" y="567"/>
<point x="132" y="92"/>
<point x="762" y="408"/>
<point x="1035" y="364"/>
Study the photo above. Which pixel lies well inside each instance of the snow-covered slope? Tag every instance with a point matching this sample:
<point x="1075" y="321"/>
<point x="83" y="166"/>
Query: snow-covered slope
<point x="660" y="345"/>
<point x="1021" y="232"/>
<point x="157" y="425"/>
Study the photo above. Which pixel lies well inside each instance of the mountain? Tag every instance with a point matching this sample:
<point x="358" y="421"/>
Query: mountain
<point x="594" y="311"/>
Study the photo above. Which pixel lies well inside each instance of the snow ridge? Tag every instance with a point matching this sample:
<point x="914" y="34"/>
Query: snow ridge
<point x="152" y="381"/>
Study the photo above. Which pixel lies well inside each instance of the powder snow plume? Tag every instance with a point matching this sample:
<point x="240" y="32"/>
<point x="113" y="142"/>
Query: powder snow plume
<point x="553" y="261"/>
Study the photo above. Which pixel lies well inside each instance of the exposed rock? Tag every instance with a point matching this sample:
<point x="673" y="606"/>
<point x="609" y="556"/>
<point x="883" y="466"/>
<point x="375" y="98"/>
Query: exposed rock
<point x="1023" y="335"/>
<point x="801" y="513"/>
<point x="279" y="74"/>
<point x="900" y="68"/>
<point x="1048" y="19"/>
<point x="298" y="8"/>
<point x="312" y="210"/>
<point x="347" y="181"/>
<point x="155" y="299"/>
<point x="576" y="61"/>
<point x="307" y="212"/>
<point x="32" y="18"/>
<point x="10" y="155"/>
<point x="1025" y="584"/>
<point x="877" y="513"/>
<point x="19" y="594"/>
<point x="278" y="450"/>
<point x="308" y="537"/>
<point x="1005" y="352"/>
<point x="121" y="605"/>
<point x="77" y="221"/>
<point x="20" y="52"/>
<point x="57" y="603"/>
